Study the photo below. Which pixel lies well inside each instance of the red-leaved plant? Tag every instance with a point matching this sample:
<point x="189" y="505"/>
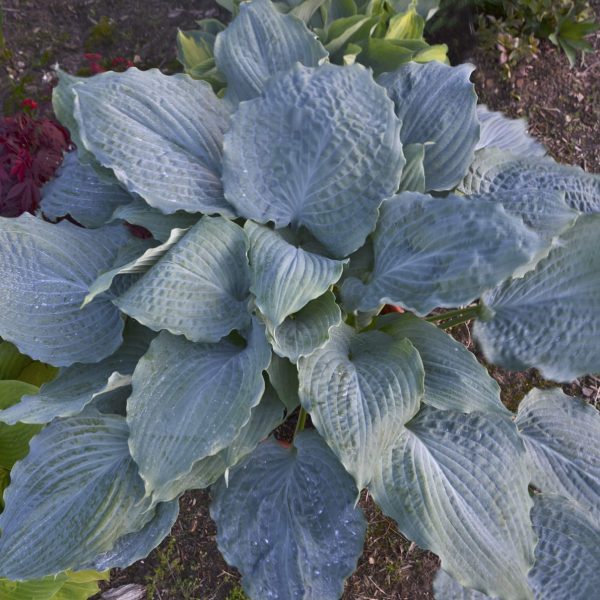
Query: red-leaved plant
<point x="31" y="150"/>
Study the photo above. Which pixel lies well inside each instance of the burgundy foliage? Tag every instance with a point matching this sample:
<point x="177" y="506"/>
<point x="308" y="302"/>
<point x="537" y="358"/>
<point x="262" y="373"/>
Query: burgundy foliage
<point x="30" y="152"/>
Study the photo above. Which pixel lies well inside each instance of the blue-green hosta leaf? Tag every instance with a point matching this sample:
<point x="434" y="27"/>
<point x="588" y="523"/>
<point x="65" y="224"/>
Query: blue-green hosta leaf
<point x="454" y="379"/>
<point x="447" y="588"/>
<point x="259" y="43"/>
<point x="64" y="506"/>
<point x="567" y="562"/>
<point x="456" y="484"/>
<point x="550" y="318"/>
<point x="45" y="270"/>
<point x="319" y="149"/>
<point x="190" y="401"/>
<point x="496" y="170"/>
<point x="440" y="252"/>
<point x="14" y="439"/>
<point x="156" y="222"/>
<point x="436" y="103"/>
<point x="359" y="389"/>
<point x="264" y="418"/>
<point x="562" y="439"/>
<point x="498" y="131"/>
<point x="199" y="288"/>
<point x="413" y="175"/>
<point x="76" y="386"/>
<point x="288" y="521"/>
<point x="161" y="135"/>
<point x="308" y="329"/>
<point x="63" y="104"/>
<point x="137" y="545"/>
<point x="80" y="192"/>
<point x="286" y="277"/>
<point x="134" y="259"/>
<point x="283" y="376"/>
<point x="544" y="211"/>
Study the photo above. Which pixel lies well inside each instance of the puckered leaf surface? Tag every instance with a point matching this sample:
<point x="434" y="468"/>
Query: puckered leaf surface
<point x="359" y="389"/>
<point x="494" y="170"/>
<point x="288" y="521"/>
<point x="498" y="131"/>
<point x="550" y="318"/>
<point x="456" y="484"/>
<point x="45" y="270"/>
<point x="308" y="329"/>
<point x="79" y="191"/>
<point x="161" y="135"/>
<point x="65" y="506"/>
<point x="77" y="385"/>
<point x="259" y="43"/>
<point x="199" y="288"/>
<point x="436" y="103"/>
<point x="454" y="379"/>
<point x="562" y="438"/>
<point x="190" y="401"/>
<point x="440" y="252"/>
<point x="567" y="562"/>
<point x="320" y="149"/>
<point x="286" y="277"/>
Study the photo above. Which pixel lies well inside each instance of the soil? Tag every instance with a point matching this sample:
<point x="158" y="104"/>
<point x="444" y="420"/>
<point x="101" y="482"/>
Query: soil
<point x="563" y="109"/>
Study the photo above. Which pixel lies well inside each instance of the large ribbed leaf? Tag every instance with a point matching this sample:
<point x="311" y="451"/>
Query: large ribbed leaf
<point x="79" y="191"/>
<point x="436" y="103"/>
<point x="305" y="331"/>
<point x="14" y="439"/>
<point x="199" y="288"/>
<point x="494" y="170"/>
<point x="65" y="586"/>
<point x="45" y="270"/>
<point x="360" y="388"/>
<point x="190" y="401"/>
<point x="65" y="506"/>
<point x="288" y="521"/>
<point x="259" y="43"/>
<point x="134" y="259"/>
<point x="77" y="385"/>
<point x="321" y="149"/>
<point x="454" y="379"/>
<point x="157" y="223"/>
<point x="440" y="252"/>
<point x="286" y="277"/>
<point x="562" y="438"/>
<point x="160" y="134"/>
<point x="446" y="588"/>
<point x="567" y="562"/>
<point x="456" y="484"/>
<point x="545" y="211"/>
<point x="550" y="318"/>
<point x="137" y="545"/>
<point x="498" y="131"/>
<point x="263" y="419"/>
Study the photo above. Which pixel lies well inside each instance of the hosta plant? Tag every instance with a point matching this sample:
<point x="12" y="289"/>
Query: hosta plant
<point x="380" y="34"/>
<point x="284" y="216"/>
